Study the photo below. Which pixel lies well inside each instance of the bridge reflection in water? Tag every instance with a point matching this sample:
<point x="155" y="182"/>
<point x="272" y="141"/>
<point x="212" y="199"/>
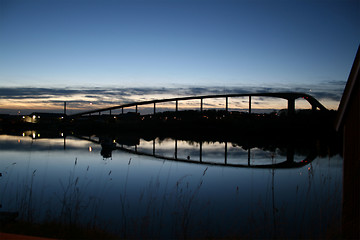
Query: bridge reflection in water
<point x="228" y="195"/>
<point x="195" y="155"/>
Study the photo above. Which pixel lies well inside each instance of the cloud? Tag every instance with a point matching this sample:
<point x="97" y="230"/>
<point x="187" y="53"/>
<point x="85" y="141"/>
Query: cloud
<point x="80" y="98"/>
<point x="22" y="93"/>
<point x="332" y="90"/>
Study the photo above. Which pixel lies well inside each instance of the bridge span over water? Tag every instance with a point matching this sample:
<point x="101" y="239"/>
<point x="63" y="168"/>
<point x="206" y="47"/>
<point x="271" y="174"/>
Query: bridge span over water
<point x="289" y="96"/>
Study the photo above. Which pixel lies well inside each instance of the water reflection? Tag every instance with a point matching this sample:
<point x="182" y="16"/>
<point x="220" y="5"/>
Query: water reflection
<point x="146" y="188"/>
<point x="211" y="153"/>
<point x="202" y="152"/>
<point x="258" y="152"/>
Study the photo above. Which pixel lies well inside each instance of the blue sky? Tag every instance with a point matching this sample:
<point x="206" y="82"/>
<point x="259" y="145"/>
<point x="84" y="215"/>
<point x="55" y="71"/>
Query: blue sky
<point x="174" y="44"/>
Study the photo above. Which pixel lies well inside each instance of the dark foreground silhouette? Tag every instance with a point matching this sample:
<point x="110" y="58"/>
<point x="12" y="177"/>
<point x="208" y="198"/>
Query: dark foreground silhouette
<point x="191" y="124"/>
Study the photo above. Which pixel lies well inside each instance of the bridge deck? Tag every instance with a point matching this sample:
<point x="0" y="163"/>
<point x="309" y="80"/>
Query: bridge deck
<point x="290" y="96"/>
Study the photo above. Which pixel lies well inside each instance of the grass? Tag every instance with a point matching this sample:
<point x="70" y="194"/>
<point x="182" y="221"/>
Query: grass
<point x="160" y="203"/>
<point x="159" y="206"/>
<point x="68" y="224"/>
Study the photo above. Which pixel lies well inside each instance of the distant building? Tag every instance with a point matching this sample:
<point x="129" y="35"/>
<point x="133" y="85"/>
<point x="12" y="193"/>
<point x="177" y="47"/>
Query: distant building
<point x="37" y="117"/>
<point x="347" y="124"/>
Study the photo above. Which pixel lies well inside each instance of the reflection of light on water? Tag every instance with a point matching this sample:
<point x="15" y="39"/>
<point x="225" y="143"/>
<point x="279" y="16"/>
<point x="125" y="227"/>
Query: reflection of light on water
<point x="43" y="143"/>
<point x="19" y="140"/>
<point x="223" y="190"/>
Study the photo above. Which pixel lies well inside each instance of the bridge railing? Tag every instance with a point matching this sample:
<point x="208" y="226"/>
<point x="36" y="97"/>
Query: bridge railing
<point x="289" y="96"/>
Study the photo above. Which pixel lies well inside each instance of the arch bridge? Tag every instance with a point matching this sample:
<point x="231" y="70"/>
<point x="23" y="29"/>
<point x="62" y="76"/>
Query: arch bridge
<point x="289" y="96"/>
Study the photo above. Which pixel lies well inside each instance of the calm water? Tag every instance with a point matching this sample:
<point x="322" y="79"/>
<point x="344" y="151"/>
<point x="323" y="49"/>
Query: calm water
<point x="141" y="196"/>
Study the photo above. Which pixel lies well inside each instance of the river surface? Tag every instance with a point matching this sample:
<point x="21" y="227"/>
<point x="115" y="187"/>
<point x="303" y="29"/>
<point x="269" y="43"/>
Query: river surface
<point x="149" y="190"/>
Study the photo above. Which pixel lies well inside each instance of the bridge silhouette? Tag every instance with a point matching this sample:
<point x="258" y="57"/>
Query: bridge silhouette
<point x="289" y="96"/>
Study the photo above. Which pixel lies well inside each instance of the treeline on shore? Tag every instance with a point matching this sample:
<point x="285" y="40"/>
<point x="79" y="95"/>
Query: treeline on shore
<point x="182" y="123"/>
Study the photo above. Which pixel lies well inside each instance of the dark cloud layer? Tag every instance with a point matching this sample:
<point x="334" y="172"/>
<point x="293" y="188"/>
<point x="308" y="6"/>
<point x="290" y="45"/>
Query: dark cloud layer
<point x="330" y="92"/>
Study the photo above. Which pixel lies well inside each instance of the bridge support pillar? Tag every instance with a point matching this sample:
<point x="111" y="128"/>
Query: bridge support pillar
<point x="65" y="108"/>
<point x="226" y="150"/>
<point x="291" y="106"/>
<point x="201" y="105"/>
<point x="122" y="110"/>
<point x="110" y="112"/>
<point x="226" y="104"/>
<point x="176" y="147"/>
<point x="290" y="154"/>
<point x="177" y="105"/>
<point x="154" y="147"/>
<point x="154" y="108"/>
<point x="136" y="109"/>
<point x="250" y="104"/>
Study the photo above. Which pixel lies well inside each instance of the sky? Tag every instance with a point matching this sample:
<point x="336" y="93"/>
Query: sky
<point x="94" y="53"/>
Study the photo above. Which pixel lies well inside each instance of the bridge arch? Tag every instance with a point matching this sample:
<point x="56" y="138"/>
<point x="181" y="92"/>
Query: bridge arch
<point x="289" y="96"/>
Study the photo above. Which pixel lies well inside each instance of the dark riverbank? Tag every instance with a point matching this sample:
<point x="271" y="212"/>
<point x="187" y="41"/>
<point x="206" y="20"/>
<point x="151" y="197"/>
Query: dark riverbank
<point x="301" y="131"/>
<point x="189" y="123"/>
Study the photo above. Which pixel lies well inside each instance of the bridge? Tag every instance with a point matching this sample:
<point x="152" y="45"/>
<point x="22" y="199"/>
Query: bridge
<point x="289" y="96"/>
